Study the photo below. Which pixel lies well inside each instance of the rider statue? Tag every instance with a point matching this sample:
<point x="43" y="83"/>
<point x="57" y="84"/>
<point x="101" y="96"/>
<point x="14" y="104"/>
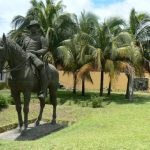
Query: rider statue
<point x="36" y="46"/>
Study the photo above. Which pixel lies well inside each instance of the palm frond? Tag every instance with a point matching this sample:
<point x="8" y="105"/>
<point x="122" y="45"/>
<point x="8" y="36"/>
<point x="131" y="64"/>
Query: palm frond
<point x="122" y="40"/>
<point x="65" y="55"/>
<point x="84" y="38"/>
<point x="115" y="24"/>
<point x="17" y="21"/>
<point x="123" y="67"/>
<point x="109" y="66"/>
<point x="133" y="21"/>
<point x="84" y="70"/>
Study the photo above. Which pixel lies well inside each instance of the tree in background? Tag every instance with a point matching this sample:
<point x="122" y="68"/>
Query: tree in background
<point x="127" y="58"/>
<point x="77" y="57"/>
<point x="104" y="36"/>
<point x="56" y="25"/>
<point x="140" y="29"/>
<point x="80" y="45"/>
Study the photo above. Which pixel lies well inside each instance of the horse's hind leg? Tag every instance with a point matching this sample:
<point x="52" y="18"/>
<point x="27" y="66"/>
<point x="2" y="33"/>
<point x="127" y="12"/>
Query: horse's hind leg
<point x="17" y="99"/>
<point x="42" y="104"/>
<point x="53" y="101"/>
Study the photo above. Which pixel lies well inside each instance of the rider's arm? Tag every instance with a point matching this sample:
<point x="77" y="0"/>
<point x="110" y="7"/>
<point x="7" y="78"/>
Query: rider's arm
<point x="44" y="48"/>
<point x="23" y="45"/>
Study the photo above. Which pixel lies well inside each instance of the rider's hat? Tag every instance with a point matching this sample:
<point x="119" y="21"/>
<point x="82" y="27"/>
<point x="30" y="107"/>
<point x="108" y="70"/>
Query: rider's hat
<point x="33" y="23"/>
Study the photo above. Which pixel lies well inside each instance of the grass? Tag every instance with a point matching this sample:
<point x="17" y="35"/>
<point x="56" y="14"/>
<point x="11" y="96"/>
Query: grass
<point x="118" y="125"/>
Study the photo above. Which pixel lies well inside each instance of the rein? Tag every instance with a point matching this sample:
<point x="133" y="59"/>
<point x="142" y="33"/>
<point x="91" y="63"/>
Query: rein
<point x="19" y="67"/>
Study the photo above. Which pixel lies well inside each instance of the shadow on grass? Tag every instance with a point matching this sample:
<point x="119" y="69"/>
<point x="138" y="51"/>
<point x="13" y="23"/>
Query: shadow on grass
<point x="40" y="131"/>
<point x="3" y="107"/>
<point x="65" y="96"/>
<point x="119" y="98"/>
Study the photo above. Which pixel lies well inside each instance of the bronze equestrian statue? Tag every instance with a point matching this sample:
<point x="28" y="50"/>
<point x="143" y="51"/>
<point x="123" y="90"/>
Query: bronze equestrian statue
<point x="23" y="78"/>
<point x="36" y="46"/>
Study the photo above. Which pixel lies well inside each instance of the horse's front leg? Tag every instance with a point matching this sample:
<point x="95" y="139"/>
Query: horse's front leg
<point x="27" y="96"/>
<point x="17" y="99"/>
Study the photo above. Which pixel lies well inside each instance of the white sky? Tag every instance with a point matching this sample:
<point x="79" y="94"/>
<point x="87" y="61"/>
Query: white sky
<point x="11" y="8"/>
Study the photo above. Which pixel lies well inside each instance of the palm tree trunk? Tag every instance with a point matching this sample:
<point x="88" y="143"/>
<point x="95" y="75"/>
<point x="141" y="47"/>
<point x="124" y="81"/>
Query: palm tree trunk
<point x="109" y="88"/>
<point x="74" y="83"/>
<point x="101" y="83"/>
<point x="1" y="76"/>
<point x="83" y="87"/>
<point x="129" y="92"/>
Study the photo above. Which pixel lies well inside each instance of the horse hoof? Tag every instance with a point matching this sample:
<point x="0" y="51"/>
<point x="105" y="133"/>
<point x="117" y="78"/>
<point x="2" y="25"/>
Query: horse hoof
<point x="19" y="130"/>
<point x="37" y="123"/>
<point x="53" y="122"/>
<point x="23" y="131"/>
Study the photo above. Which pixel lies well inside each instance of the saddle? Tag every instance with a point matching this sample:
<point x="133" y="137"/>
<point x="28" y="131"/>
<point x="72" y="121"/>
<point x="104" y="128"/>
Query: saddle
<point x="35" y="69"/>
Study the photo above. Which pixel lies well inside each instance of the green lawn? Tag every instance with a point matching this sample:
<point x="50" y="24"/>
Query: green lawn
<point x="118" y="125"/>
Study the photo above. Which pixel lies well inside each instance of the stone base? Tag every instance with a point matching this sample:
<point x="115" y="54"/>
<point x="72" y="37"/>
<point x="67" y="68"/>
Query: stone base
<point x="32" y="132"/>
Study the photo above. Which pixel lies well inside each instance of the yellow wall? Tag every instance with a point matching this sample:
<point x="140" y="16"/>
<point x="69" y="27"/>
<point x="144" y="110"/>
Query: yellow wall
<point x="118" y="85"/>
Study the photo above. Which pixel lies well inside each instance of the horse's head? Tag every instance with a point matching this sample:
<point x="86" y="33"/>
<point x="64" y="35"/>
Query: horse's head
<point x="2" y="52"/>
<point x="10" y="51"/>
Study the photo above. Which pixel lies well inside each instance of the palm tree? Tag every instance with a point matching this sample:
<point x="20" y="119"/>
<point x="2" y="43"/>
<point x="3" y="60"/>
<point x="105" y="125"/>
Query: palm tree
<point x="128" y="58"/>
<point x="77" y="55"/>
<point x="87" y="26"/>
<point x="83" y="44"/>
<point x="140" y="29"/>
<point x="104" y="36"/>
<point x="55" y="25"/>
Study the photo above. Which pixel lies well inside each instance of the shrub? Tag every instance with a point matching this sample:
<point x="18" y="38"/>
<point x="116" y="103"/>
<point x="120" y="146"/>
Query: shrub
<point x="3" y="101"/>
<point x="3" y="85"/>
<point x="10" y="100"/>
<point x="97" y="102"/>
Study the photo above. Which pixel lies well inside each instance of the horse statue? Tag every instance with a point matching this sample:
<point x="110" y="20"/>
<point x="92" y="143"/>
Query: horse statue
<point x="24" y="80"/>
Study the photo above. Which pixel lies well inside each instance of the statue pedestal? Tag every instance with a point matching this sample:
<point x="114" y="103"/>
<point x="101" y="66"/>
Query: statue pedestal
<point x="32" y="132"/>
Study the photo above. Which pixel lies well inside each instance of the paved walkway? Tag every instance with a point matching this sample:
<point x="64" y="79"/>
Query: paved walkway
<point x="32" y="132"/>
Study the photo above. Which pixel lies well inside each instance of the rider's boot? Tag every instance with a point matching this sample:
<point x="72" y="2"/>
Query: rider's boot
<point x="42" y="93"/>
